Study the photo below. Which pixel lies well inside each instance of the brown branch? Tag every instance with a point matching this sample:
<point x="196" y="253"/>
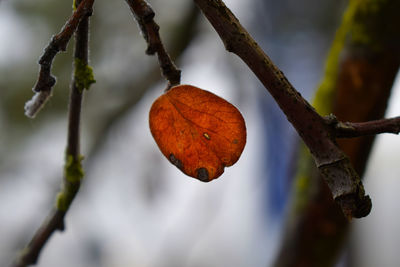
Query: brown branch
<point x="184" y="32"/>
<point x="356" y="86"/>
<point x="30" y="254"/>
<point x="73" y="172"/>
<point x="46" y="81"/>
<point x="343" y="181"/>
<point x="357" y="129"/>
<point x="144" y="15"/>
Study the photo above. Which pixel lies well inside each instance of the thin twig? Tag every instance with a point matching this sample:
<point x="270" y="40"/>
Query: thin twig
<point x="344" y="183"/>
<point x="184" y="32"/>
<point x="144" y="15"/>
<point x="46" y="81"/>
<point x="55" y="220"/>
<point x="357" y="129"/>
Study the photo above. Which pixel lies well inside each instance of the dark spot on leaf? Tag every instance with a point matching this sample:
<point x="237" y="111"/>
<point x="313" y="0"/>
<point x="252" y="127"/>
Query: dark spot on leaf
<point x="202" y="174"/>
<point x="175" y="161"/>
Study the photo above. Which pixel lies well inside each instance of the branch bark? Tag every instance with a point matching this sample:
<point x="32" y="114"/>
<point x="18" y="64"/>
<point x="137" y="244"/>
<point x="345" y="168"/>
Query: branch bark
<point x="359" y="74"/>
<point x="343" y="181"/>
<point x="357" y="129"/>
<point x="73" y="171"/>
<point x="183" y="31"/>
<point x="144" y="15"/>
<point x="45" y="82"/>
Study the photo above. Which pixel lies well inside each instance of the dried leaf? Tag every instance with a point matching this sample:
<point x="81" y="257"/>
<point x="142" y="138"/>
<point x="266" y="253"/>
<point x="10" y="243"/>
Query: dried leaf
<point x="199" y="132"/>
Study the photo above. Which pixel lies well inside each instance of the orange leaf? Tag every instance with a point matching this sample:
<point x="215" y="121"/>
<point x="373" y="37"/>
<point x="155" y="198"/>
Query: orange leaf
<point x="199" y="132"/>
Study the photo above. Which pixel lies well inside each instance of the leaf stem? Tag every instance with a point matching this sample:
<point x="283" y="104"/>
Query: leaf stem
<point x="144" y="15"/>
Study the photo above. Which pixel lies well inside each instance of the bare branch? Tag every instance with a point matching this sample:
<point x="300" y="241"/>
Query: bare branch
<point x="144" y="15"/>
<point x="73" y="171"/>
<point x="359" y="76"/>
<point x="184" y="31"/>
<point x="46" y="81"/>
<point x="357" y="129"/>
<point x="343" y="181"/>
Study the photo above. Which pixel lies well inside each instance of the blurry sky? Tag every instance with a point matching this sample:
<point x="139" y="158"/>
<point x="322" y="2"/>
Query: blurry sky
<point x="135" y="208"/>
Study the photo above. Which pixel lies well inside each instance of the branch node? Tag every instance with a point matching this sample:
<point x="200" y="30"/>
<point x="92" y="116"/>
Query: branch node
<point x="148" y="14"/>
<point x="151" y="50"/>
<point x="347" y="188"/>
<point x="331" y="119"/>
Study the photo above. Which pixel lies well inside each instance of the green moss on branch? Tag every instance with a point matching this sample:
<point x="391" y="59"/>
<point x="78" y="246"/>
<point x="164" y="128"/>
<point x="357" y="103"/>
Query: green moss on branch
<point x="324" y="95"/>
<point x="73" y="174"/>
<point x="84" y="76"/>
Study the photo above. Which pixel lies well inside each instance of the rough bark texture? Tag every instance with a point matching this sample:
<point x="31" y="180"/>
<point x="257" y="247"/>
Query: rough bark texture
<point x="360" y="72"/>
<point x="312" y="128"/>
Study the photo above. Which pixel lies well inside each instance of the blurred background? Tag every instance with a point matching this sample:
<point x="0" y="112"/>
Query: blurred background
<point x="134" y="207"/>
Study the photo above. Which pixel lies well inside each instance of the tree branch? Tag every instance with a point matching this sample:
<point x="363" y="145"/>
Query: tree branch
<point x="357" y="129"/>
<point x="359" y="74"/>
<point x="184" y="31"/>
<point x="343" y="181"/>
<point x="144" y="15"/>
<point x="73" y="170"/>
<point x="45" y="82"/>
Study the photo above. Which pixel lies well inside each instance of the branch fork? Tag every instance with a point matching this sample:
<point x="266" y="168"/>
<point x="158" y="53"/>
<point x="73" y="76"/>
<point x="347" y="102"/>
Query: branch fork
<point x="59" y="42"/>
<point x="317" y="132"/>
<point x="78" y="23"/>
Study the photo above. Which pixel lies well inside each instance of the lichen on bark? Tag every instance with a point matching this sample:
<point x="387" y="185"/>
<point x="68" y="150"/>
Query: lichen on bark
<point x="73" y="175"/>
<point x="83" y="75"/>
